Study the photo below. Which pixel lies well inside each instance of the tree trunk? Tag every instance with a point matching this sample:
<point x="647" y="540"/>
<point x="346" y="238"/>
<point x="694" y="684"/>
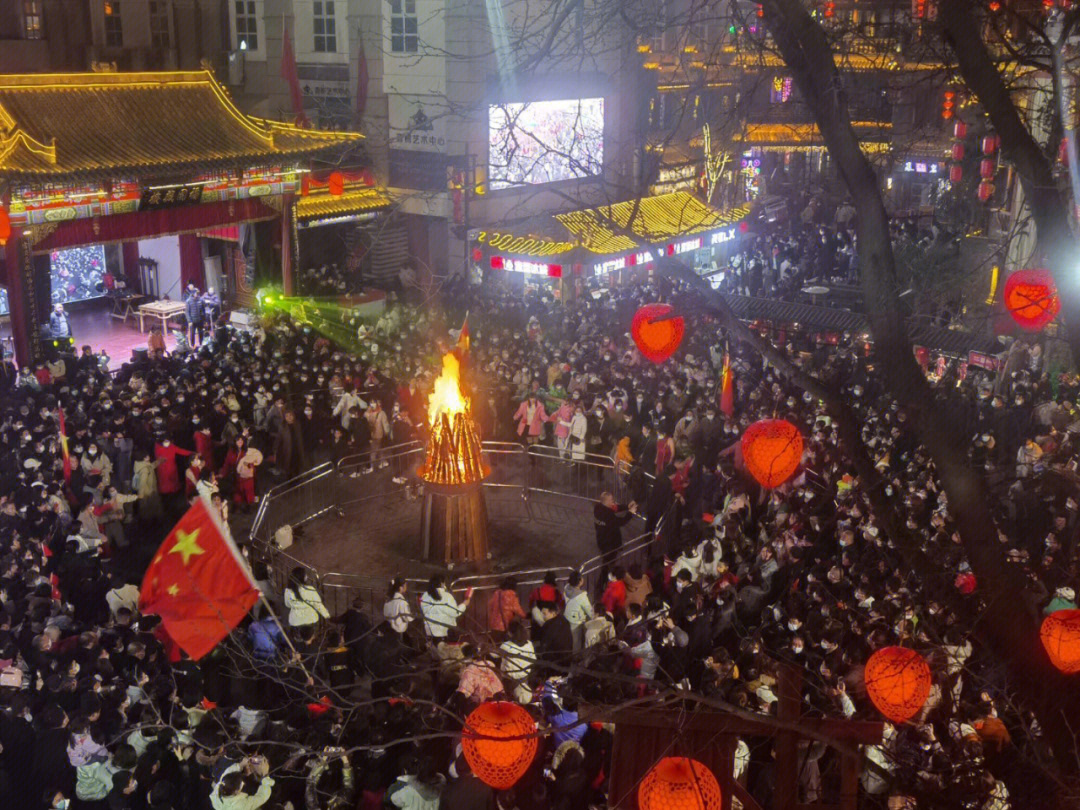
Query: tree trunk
<point x="1048" y="201"/>
<point x="1005" y="628"/>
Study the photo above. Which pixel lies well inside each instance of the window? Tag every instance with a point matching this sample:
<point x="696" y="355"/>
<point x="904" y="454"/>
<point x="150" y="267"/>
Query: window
<point x="324" y="26"/>
<point x="114" y="28"/>
<point x="403" y="27"/>
<point x="247" y="25"/>
<point x="32" y="19"/>
<point x="160" y="37"/>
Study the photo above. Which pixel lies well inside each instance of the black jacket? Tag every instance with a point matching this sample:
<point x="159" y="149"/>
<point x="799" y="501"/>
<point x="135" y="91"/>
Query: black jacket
<point x="609" y="525"/>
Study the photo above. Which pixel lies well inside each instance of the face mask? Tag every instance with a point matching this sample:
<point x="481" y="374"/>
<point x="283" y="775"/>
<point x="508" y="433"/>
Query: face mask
<point x="63" y="804"/>
<point x="797" y="650"/>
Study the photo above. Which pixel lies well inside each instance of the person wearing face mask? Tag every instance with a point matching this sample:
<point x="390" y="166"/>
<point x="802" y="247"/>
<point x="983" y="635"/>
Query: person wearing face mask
<point x="96" y="466"/>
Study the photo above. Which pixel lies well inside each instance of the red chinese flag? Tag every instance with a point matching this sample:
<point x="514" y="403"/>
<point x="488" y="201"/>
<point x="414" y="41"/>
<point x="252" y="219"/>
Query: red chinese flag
<point x="198" y="583"/>
<point x="727" y="388"/>
<point x="463" y="336"/>
<point x="289" y="74"/>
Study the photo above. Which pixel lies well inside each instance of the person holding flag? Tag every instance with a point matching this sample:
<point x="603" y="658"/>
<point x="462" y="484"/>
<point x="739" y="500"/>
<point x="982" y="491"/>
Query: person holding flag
<point x="727" y="387"/>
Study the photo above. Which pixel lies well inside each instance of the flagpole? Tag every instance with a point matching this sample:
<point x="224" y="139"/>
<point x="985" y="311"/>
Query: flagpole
<point x="269" y="609"/>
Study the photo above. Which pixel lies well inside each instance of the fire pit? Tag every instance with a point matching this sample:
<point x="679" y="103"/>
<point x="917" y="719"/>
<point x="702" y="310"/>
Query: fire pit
<point x="454" y="520"/>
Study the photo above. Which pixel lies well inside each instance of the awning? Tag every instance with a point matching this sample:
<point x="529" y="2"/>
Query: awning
<point x="353" y="201"/>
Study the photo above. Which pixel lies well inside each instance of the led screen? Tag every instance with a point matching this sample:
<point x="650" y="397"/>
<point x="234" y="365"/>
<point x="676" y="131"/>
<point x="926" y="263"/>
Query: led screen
<point x="544" y="141"/>
<point x="77" y="273"/>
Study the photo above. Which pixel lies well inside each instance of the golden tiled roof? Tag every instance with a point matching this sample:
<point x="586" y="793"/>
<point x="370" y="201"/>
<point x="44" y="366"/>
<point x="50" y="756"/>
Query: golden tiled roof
<point x="650" y="220"/>
<point x="352" y="201"/>
<point x="79" y="123"/>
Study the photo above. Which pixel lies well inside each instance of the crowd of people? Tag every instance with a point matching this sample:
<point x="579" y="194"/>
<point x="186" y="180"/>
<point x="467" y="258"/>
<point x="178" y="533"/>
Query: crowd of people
<point x="101" y="710"/>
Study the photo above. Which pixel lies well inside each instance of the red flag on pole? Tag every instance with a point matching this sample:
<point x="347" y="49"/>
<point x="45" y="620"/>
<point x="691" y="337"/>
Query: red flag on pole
<point x="463" y="341"/>
<point x="288" y="73"/>
<point x="198" y="583"/>
<point x="64" y="444"/>
<point x="727" y="388"/>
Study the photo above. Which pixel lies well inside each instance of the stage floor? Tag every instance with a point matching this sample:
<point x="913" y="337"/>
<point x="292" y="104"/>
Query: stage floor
<point x="367" y="544"/>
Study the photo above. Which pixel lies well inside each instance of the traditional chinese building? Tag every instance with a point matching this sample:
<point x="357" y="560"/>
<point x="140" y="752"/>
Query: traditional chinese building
<point x="124" y="158"/>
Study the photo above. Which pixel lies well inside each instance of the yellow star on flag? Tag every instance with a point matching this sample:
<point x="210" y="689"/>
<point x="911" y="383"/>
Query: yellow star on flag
<point x="173" y="590"/>
<point x="186" y="545"/>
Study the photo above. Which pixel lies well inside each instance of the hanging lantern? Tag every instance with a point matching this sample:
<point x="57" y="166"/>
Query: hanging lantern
<point x="336" y="184"/>
<point x="958" y="151"/>
<point x="990" y="143"/>
<point x="772" y="450"/>
<point x="5" y="226"/>
<point x="502" y="761"/>
<point x="956" y="173"/>
<point x="679" y="783"/>
<point x="657" y="339"/>
<point x="1060" y="635"/>
<point x="898" y="682"/>
<point x="1031" y="298"/>
<point x="986" y="191"/>
<point x="960" y="130"/>
<point x="987" y="168"/>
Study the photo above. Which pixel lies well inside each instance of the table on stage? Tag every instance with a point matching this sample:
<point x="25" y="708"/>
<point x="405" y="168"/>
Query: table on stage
<point x="160" y="309"/>
<point x="124" y="305"/>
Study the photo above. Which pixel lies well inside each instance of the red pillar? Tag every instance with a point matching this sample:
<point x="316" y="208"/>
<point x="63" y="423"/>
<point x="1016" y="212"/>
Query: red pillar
<point x="287" y="245"/>
<point x="22" y="301"/>
<point x="130" y="257"/>
<point x="191" y="262"/>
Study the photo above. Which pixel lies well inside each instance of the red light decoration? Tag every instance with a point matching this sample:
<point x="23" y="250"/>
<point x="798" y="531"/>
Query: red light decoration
<point x="772" y="450"/>
<point x="960" y="130"/>
<point x="760" y="10"/>
<point x="830" y="9"/>
<point x="5" y="226"/>
<point x="477" y="254"/>
<point x="496" y="262"/>
<point x="336" y="183"/>
<point x="898" y="682"/>
<point x="990" y="143"/>
<point x="995" y="6"/>
<point x="502" y="761"/>
<point x="744" y="226"/>
<point x="956" y="173"/>
<point x="1031" y="298"/>
<point x="985" y="191"/>
<point x="957" y="151"/>
<point x="679" y="783"/>
<point x="1060" y="635"/>
<point x="987" y="168"/>
<point x="655" y="338"/>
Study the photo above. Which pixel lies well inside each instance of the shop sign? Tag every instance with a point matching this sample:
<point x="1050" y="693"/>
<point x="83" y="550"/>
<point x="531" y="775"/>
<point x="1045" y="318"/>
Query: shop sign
<point x="169" y="196"/>
<point x="720" y="237"/>
<point x="527" y="267"/>
<point x="631" y="260"/>
<point x="60" y="214"/>
<point x="687" y="245"/>
<point x="675" y="178"/>
<point x="983" y="361"/>
<point x="922" y="167"/>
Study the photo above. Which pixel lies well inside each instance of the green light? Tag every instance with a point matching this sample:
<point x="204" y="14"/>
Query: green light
<point x="731" y="29"/>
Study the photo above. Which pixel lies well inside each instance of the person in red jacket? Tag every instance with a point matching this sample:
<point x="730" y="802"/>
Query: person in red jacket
<point x="204" y="444"/>
<point x="168" y="476"/>
<point x="614" y="598"/>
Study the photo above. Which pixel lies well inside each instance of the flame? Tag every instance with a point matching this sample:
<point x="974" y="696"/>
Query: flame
<point x="446" y="396"/>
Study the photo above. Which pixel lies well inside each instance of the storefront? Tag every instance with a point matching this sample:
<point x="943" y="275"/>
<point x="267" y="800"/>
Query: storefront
<point x="615" y="244"/>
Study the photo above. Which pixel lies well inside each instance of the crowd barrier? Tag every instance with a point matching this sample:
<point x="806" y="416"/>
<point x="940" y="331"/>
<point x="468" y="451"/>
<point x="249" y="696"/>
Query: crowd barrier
<point x="513" y="467"/>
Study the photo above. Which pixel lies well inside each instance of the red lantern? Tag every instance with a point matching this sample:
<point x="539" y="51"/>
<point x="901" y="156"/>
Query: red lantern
<point x="959" y="130"/>
<point x="772" y="450"/>
<point x="657" y="339"/>
<point x="499" y="743"/>
<point x="956" y="173"/>
<point x="987" y="168"/>
<point x="898" y="682"/>
<point x="986" y="191"/>
<point x="990" y="143"/>
<point x="5" y="226"/>
<point x="1060" y="635"/>
<point x="1031" y="298"/>
<point x="679" y="783"/>
<point x="957" y="151"/>
<point x="336" y="184"/>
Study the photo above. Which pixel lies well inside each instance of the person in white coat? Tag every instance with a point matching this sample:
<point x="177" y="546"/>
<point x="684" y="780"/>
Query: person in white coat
<point x="578" y="608"/>
<point x="303" y="602"/>
<point x="579" y="426"/>
<point x="440" y="609"/>
<point x="396" y="609"/>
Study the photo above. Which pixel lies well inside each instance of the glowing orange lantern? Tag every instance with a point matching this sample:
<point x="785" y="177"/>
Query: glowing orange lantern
<point x="656" y="333"/>
<point x="1032" y="298"/>
<point x="985" y="191"/>
<point x="957" y="151"/>
<point x="990" y="143"/>
<point x="336" y="183"/>
<point x="772" y="450"/>
<point x="987" y="168"/>
<point x="679" y="783"/>
<point x="898" y="682"/>
<point x="956" y="173"/>
<point x="499" y="743"/>
<point x="960" y="130"/>
<point x="1060" y="635"/>
<point x="5" y="226"/>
